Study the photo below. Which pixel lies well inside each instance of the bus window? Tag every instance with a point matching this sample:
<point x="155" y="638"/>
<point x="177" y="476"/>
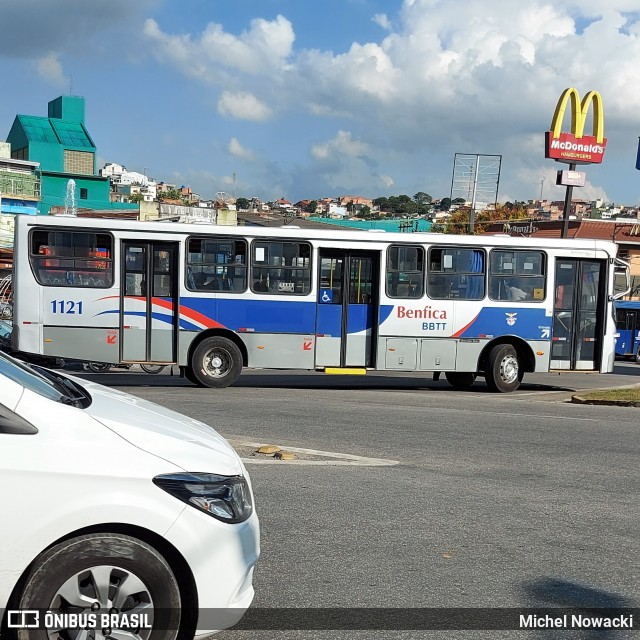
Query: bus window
<point x="517" y="276"/>
<point x="216" y="264"/>
<point x="281" y="267"/>
<point x="405" y="271"/>
<point x="72" y="258"/>
<point x="456" y="273"/>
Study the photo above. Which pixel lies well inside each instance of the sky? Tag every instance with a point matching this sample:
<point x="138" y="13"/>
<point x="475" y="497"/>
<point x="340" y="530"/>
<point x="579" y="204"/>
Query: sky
<point x="299" y="99"/>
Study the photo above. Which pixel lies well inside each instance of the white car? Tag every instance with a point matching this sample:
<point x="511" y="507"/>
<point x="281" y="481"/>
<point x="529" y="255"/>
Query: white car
<point x="109" y="503"/>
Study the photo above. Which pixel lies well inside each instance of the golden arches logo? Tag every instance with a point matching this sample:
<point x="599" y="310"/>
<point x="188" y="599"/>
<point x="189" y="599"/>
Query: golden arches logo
<point x="579" y="112"/>
<point x="576" y="147"/>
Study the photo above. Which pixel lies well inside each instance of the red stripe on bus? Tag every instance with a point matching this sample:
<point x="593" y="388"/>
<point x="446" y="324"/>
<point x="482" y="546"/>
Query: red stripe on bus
<point x="188" y="313"/>
<point x="457" y="334"/>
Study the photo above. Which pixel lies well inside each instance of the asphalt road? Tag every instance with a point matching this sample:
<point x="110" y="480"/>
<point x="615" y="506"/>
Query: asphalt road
<point x="518" y="500"/>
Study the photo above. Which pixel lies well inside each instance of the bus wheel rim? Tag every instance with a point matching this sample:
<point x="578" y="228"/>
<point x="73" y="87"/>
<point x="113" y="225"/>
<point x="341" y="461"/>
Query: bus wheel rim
<point x="217" y="362"/>
<point x="509" y="369"/>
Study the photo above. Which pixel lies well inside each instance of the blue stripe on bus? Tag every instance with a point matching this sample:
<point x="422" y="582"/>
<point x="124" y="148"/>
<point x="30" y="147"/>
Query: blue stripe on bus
<point x="271" y="316"/>
<point x="263" y="316"/>
<point x="527" y="323"/>
<point x="162" y="317"/>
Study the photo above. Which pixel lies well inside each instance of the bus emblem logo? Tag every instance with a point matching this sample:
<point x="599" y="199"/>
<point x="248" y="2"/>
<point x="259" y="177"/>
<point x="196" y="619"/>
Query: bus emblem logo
<point x="511" y="318"/>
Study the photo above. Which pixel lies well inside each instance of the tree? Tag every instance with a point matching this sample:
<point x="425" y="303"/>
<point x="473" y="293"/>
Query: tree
<point x="458" y="222"/>
<point x="242" y="204"/>
<point x="445" y="203"/>
<point x="422" y="198"/>
<point x="311" y="207"/>
<point x="458" y="201"/>
<point x="365" y="212"/>
<point x="382" y="203"/>
<point x="170" y="194"/>
<point x="136" y="197"/>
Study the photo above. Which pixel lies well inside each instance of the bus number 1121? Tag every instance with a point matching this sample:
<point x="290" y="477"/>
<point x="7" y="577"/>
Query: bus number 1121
<point x="66" y="306"/>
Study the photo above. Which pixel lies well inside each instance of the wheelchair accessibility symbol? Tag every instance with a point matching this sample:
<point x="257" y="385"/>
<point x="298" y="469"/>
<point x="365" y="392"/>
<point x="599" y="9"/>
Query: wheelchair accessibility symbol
<point x="326" y="296"/>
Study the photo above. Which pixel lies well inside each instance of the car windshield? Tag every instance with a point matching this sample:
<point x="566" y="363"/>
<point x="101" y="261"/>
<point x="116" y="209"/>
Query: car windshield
<point x="46" y="383"/>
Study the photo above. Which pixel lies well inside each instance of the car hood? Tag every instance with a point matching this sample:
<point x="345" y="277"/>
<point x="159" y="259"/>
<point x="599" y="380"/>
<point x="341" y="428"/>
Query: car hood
<point x="186" y="443"/>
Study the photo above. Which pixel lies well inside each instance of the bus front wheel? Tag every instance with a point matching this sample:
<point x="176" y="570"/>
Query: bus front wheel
<point x="460" y="379"/>
<point x="216" y="362"/>
<point x="503" y="372"/>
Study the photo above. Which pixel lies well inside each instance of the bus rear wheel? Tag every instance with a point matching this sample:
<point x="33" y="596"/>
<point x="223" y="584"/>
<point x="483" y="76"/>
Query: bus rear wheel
<point x="503" y="372"/>
<point x="460" y="379"/>
<point x="638" y="355"/>
<point x="216" y="362"/>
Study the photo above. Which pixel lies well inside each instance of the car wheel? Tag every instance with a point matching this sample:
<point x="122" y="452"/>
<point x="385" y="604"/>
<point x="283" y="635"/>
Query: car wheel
<point x="104" y="573"/>
<point x="216" y="362"/>
<point x="99" y="367"/>
<point x="503" y="372"/>
<point x="460" y="379"/>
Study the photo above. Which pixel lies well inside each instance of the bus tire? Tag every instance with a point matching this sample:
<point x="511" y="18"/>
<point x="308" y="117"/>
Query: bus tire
<point x="152" y="368"/>
<point x="216" y="362"/>
<point x="460" y="379"/>
<point x="189" y="375"/>
<point x="503" y="372"/>
<point x="99" y="367"/>
<point x="638" y="356"/>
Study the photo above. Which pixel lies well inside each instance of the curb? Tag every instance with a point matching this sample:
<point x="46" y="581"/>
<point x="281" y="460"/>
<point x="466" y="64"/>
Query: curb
<point x="616" y="403"/>
<point x="579" y="399"/>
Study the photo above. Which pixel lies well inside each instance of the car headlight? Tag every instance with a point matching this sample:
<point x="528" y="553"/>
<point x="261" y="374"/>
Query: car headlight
<point x="226" y="498"/>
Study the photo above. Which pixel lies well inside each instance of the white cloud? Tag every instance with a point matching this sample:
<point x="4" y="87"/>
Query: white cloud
<point x="382" y="20"/>
<point x="342" y="144"/>
<point x="243" y="106"/>
<point x="51" y="70"/>
<point x="237" y="150"/>
<point x="465" y="76"/>
<point x="387" y="181"/>
<point x="264" y="48"/>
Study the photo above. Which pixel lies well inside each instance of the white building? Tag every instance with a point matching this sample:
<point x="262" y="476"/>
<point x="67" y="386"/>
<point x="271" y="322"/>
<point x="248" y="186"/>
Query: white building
<point x="336" y="211"/>
<point x="120" y="176"/>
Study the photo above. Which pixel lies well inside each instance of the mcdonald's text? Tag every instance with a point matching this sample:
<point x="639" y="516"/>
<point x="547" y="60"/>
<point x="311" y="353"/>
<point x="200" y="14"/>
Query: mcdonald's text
<point x="569" y="148"/>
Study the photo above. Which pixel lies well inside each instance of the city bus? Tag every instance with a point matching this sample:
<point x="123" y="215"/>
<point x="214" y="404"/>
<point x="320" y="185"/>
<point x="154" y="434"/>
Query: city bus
<point x="628" y="327"/>
<point x="215" y="300"/>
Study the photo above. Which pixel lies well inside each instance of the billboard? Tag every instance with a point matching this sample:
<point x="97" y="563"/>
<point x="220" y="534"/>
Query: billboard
<point x="575" y="147"/>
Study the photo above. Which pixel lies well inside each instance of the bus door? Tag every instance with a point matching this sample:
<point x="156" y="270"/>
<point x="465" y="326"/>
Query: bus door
<point x="149" y="308"/>
<point x="346" y="322"/>
<point x="578" y="315"/>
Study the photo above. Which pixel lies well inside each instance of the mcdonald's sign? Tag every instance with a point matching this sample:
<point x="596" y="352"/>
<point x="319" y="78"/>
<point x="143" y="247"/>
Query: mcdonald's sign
<point x="575" y="147"/>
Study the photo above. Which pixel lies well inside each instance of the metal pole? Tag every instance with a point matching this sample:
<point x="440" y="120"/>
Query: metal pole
<point x="472" y="213"/>
<point x="567" y="206"/>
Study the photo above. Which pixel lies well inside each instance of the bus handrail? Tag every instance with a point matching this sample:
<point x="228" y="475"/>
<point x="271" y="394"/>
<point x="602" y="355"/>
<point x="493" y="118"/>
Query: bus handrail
<point x="627" y="273"/>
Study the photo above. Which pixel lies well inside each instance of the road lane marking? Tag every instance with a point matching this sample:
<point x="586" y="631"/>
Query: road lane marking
<point x="334" y="458"/>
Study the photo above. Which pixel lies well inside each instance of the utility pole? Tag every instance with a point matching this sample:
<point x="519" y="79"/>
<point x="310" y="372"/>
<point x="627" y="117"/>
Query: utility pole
<point x="541" y="188"/>
<point x="472" y="213"/>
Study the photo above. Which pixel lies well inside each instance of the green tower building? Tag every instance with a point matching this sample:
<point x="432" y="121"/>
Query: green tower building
<point x="63" y="147"/>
